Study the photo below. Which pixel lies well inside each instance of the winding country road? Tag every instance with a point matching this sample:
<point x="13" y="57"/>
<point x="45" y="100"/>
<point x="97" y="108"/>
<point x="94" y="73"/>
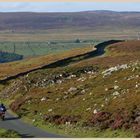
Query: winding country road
<point x="27" y="130"/>
<point x="24" y="129"/>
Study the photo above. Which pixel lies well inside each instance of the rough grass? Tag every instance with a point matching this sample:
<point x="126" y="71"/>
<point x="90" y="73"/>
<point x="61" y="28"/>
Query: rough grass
<point x="77" y="131"/>
<point x="96" y="86"/>
<point x="14" y="68"/>
<point x="80" y="132"/>
<point x="8" y="134"/>
<point x="79" y="102"/>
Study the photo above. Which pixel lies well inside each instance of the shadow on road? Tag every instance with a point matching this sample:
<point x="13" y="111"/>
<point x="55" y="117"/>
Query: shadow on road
<point x="26" y="136"/>
<point x="11" y="118"/>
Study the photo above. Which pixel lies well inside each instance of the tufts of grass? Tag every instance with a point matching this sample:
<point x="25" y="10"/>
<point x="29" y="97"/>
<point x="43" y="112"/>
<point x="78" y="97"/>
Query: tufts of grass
<point x="81" y="132"/>
<point x="78" y="102"/>
<point x="8" y="134"/>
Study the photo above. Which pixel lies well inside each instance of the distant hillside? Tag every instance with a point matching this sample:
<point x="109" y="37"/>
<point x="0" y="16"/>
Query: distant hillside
<point x="94" y="19"/>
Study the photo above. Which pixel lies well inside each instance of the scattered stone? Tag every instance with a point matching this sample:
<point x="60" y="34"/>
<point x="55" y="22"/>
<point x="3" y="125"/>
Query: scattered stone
<point x="95" y="111"/>
<point x="116" y="93"/>
<point x="33" y="120"/>
<point x="50" y="110"/>
<point x="57" y="99"/>
<point x="88" y="109"/>
<point x="137" y="119"/>
<point x="67" y="123"/>
<point x="43" y="99"/>
<point x="83" y="91"/>
<point x="82" y="79"/>
<point x="72" y="89"/>
<point x="90" y="93"/>
<point x="106" y="89"/>
<point x="59" y="81"/>
<point x="102" y="105"/>
<point x="65" y="97"/>
<point x="116" y="87"/>
<point x="113" y="69"/>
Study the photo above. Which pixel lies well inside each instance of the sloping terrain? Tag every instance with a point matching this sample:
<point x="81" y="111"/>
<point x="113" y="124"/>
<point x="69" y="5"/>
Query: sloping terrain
<point x="99" y="94"/>
<point x="15" y="68"/>
<point x="53" y="60"/>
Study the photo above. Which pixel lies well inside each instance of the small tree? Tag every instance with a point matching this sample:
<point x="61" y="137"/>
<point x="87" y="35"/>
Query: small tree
<point x="77" y="41"/>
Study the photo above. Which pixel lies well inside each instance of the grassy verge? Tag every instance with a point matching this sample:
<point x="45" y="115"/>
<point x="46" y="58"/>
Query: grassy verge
<point x="8" y="134"/>
<point x="79" y="131"/>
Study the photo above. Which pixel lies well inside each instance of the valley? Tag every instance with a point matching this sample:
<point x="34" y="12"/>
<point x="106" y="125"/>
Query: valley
<point x="95" y="88"/>
<point x="71" y="74"/>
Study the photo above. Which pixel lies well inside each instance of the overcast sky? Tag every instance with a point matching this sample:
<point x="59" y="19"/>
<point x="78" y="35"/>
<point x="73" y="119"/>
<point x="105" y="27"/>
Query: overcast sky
<point x="67" y="6"/>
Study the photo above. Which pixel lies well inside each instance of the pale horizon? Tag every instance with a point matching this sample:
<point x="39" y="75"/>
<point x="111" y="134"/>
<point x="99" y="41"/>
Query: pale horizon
<point x="69" y="6"/>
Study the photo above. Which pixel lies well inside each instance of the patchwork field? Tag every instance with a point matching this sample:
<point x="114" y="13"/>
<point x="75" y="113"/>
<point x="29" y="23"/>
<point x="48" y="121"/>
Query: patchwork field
<point x="32" y="49"/>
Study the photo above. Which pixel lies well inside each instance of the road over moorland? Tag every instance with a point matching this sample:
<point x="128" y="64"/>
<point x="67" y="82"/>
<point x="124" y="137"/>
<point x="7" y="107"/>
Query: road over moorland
<point x="25" y="130"/>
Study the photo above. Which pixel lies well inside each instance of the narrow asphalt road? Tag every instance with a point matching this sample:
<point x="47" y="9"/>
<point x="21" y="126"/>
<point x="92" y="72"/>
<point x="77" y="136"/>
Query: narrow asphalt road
<point x="24" y="129"/>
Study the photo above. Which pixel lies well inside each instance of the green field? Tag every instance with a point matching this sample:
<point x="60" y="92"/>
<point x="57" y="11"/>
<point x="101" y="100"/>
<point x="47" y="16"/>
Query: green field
<point x="29" y="49"/>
